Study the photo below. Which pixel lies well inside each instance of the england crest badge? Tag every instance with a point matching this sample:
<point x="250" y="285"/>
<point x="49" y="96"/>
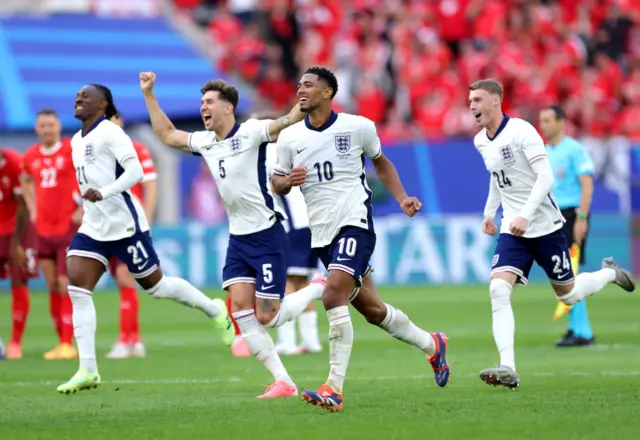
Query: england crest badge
<point x="343" y="143"/>
<point x="89" y="155"/>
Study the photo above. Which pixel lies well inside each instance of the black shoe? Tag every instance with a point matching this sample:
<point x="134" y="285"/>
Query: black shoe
<point x="571" y="340"/>
<point x="569" y="334"/>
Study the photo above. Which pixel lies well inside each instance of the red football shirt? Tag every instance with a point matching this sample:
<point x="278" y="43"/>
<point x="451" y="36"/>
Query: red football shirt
<point x="56" y="187"/>
<point x="10" y="170"/>
<point x="148" y="168"/>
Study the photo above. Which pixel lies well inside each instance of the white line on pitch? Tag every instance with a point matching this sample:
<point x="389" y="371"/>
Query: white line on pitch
<point x="184" y="381"/>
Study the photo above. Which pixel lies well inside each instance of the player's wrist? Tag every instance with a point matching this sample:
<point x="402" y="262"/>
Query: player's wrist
<point x="581" y="215"/>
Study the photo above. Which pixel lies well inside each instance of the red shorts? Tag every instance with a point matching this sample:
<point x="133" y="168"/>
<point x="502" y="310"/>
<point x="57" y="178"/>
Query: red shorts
<point x="113" y="264"/>
<point x="55" y="248"/>
<point x="7" y="268"/>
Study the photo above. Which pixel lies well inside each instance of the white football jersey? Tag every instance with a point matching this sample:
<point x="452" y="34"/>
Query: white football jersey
<point x="508" y="158"/>
<point x="239" y="166"/>
<point x="97" y="156"/>
<point x="335" y="191"/>
<point x="292" y="206"/>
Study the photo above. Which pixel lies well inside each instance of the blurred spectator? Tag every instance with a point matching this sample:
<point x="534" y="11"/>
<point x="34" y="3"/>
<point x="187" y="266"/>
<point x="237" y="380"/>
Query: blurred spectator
<point x="204" y="202"/>
<point x="411" y="60"/>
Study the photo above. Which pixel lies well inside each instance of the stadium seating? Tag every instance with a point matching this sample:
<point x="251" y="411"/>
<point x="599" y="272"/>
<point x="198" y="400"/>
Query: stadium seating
<point x="45" y="61"/>
<point x="407" y="63"/>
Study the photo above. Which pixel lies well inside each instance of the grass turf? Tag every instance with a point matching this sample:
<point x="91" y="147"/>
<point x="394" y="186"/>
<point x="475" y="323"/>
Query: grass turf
<point x="190" y="387"/>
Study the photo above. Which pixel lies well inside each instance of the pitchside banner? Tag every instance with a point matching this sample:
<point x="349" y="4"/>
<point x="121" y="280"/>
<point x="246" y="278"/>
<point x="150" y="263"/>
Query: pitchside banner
<point x="421" y="250"/>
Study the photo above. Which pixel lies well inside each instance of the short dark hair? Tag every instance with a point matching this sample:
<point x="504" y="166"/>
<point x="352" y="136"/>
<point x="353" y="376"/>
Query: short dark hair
<point x="48" y="112"/>
<point x="111" y="109"/>
<point x="226" y="91"/>
<point x="558" y="111"/>
<point x="325" y="75"/>
<point x="490" y="85"/>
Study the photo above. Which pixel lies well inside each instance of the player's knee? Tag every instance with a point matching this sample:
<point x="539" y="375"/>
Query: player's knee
<point x="375" y="313"/>
<point x="500" y="290"/>
<point x="333" y="294"/>
<point x="266" y="310"/>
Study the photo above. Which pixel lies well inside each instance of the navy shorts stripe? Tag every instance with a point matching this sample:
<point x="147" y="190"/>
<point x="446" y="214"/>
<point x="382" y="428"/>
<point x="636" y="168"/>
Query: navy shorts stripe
<point x="367" y="202"/>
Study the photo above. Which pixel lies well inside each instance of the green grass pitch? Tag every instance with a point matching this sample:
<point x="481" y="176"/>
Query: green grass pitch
<point x="190" y="387"/>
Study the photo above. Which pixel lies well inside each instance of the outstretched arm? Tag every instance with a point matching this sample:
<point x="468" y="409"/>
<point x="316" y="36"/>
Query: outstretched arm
<point x="162" y="125"/>
<point x="276" y="126"/>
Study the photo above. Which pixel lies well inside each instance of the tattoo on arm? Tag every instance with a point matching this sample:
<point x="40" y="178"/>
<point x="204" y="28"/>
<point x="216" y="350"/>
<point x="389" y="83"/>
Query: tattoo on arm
<point x="278" y="125"/>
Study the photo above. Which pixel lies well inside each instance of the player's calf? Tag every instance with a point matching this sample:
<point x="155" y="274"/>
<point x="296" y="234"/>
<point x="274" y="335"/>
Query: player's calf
<point x="589" y="283"/>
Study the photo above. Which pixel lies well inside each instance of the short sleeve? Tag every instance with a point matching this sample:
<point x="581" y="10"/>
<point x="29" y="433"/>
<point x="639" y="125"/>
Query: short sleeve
<point x="582" y="161"/>
<point x="148" y="167"/>
<point x="284" y="158"/>
<point x="370" y="140"/>
<point x="120" y="144"/>
<point x="532" y="144"/>
<point x="258" y="129"/>
<point x="198" y="140"/>
<point x="272" y="158"/>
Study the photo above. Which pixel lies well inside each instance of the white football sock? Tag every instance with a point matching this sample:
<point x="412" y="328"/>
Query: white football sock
<point x="398" y="325"/>
<point x="84" y="327"/>
<point x="261" y="345"/>
<point x="340" y="344"/>
<point x="183" y="292"/>
<point x="588" y="283"/>
<point x="504" y="325"/>
<point x="294" y="304"/>
<point x="287" y="335"/>
<point x="308" y="326"/>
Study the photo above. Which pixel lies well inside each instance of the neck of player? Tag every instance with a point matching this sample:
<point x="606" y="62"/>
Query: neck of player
<point x="555" y="140"/>
<point x="225" y="128"/>
<point x="319" y="116"/>
<point x="53" y="143"/>
<point x="493" y="126"/>
<point x="87" y="123"/>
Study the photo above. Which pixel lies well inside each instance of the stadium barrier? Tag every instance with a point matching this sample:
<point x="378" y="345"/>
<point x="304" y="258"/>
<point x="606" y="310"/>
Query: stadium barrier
<point x="424" y="250"/>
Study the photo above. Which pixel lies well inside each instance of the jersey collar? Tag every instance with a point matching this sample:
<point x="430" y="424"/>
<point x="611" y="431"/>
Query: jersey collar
<point x="94" y="125"/>
<point x="503" y="124"/>
<point x="50" y="151"/>
<point x="233" y="131"/>
<point x="332" y="118"/>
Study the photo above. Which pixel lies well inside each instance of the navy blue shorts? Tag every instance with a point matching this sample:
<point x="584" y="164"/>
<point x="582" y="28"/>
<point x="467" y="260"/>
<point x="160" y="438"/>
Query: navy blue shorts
<point x="350" y="252"/>
<point x="259" y="259"/>
<point x="136" y="252"/>
<point x="517" y="254"/>
<point x="302" y="260"/>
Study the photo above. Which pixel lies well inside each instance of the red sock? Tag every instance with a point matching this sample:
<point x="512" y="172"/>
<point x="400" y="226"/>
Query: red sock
<point x="66" y="318"/>
<point x="19" y="312"/>
<point x="54" y="309"/>
<point x="129" y="325"/>
<point x="235" y="324"/>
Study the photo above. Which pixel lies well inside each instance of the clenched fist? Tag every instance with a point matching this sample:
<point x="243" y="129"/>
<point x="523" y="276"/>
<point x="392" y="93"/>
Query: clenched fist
<point x="410" y="206"/>
<point x="147" y="81"/>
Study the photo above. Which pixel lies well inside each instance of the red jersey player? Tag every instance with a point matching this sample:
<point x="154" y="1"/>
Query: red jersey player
<point x="52" y="188"/>
<point x="129" y="342"/>
<point x="16" y="246"/>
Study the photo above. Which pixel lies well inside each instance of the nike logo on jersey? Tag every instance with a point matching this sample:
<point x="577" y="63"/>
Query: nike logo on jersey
<point x="142" y="266"/>
<point x="300" y="151"/>
<point x="266" y="287"/>
<point x="563" y="275"/>
<point x="343" y="259"/>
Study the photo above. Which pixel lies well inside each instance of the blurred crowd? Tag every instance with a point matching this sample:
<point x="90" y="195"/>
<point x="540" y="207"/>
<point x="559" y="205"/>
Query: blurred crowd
<point x="406" y="64"/>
